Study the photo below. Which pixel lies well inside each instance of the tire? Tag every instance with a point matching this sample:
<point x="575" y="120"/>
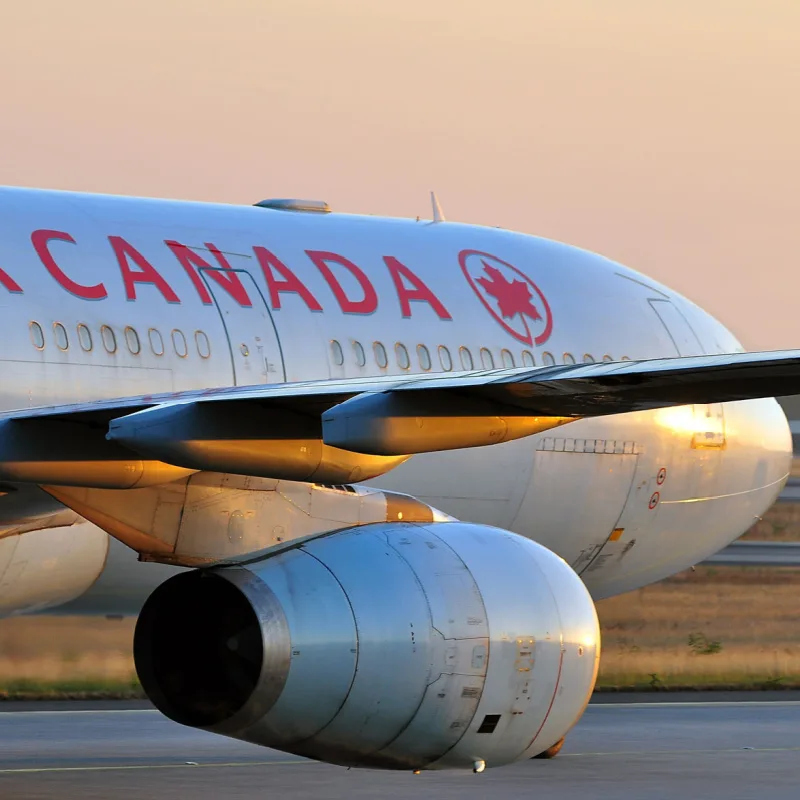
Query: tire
<point x="551" y="751"/>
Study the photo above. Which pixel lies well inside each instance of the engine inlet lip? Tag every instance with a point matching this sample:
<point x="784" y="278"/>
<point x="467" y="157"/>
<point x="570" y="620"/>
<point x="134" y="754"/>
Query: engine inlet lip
<point x="276" y="650"/>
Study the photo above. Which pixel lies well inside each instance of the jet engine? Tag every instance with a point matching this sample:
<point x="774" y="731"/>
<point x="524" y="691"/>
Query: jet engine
<point x="394" y="645"/>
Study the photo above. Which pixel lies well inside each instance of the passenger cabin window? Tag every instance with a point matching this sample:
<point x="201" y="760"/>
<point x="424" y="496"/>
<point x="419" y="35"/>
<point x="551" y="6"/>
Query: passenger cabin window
<point x="424" y="357"/>
<point x="37" y="335"/>
<point x="85" y="337"/>
<point x="445" y="359"/>
<point x="527" y="359"/>
<point x="487" y="359"/>
<point x="132" y="340"/>
<point x="337" y="353"/>
<point x="202" y="344"/>
<point x="361" y="356"/>
<point x="466" y="358"/>
<point x="508" y="359"/>
<point x="547" y="359"/>
<point x="380" y="355"/>
<point x="60" y="332"/>
<point x="569" y="358"/>
<point x="403" y="360"/>
<point x="179" y="343"/>
<point x="109" y="339"/>
<point x="156" y="342"/>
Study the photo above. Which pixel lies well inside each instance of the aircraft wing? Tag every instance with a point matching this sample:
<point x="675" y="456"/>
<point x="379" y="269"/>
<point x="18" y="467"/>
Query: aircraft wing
<point x="387" y="416"/>
<point x="580" y="390"/>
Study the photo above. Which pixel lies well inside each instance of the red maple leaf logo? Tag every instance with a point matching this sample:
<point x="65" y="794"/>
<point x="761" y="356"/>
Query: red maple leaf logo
<point x="513" y="297"/>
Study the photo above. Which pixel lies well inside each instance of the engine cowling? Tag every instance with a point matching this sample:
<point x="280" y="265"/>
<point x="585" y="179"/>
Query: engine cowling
<point x="397" y="646"/>
<point x="46" y="568"/>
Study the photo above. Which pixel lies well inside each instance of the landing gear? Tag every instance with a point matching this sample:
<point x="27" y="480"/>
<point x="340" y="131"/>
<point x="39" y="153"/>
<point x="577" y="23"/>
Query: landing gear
<point x="551" y="751"/>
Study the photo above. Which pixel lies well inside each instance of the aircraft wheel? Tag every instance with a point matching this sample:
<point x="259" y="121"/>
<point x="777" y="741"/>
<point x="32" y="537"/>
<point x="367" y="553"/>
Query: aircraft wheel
<point x="551" y="751"/>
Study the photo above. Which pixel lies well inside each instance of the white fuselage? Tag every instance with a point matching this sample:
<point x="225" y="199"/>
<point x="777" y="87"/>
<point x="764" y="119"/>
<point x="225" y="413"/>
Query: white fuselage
<point x="107" y="297"/>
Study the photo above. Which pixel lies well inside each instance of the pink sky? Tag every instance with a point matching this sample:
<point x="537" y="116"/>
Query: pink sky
<point x="662" y="133"/>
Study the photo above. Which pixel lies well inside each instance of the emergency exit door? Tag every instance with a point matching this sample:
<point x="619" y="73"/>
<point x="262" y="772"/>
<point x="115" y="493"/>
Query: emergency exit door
<point x="709" y="421"/>
<point x="706" y="435"/>
<point x="678" y="328"/>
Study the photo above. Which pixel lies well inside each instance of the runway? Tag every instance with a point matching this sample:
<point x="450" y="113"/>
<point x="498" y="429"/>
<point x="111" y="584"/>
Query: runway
<point x="633" y="751"/>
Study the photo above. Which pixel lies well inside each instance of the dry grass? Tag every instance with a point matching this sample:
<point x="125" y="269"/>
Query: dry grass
<point x="780" y="524"/>
<point x="751" y="613"/>
<point x="66" y="654"/>
<point x="743" y="623"/>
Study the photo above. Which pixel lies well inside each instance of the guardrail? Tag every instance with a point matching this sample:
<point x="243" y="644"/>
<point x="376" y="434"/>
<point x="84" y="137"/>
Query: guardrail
<point x="757" y="554"/>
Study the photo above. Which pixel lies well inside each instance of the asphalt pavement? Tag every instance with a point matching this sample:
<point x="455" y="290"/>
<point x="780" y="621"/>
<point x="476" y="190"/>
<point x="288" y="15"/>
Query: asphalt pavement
<point x="691" y="746"/>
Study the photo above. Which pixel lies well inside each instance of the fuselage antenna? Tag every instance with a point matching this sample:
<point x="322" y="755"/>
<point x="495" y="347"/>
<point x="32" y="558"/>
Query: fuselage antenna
<point x="438" y="214"/>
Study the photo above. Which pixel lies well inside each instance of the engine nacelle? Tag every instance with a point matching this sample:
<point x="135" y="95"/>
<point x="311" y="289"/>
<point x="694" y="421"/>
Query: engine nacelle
<point x="394" y="645"/>
<point x="46" y="568"/>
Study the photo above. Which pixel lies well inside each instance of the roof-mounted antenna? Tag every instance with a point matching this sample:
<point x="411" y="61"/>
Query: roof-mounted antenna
<point x="438" y="215"/>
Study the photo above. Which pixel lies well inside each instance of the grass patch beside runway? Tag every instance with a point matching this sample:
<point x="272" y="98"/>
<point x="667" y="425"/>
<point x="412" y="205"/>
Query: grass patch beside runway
<point x="71" y="689"/>
<point x="720" y="627"/>
<point x="731" y="627"/>
<point x="75" y="657"/>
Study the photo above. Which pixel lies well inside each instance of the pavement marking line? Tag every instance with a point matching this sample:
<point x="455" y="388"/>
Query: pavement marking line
<point x="131" y="767"/>
<point x="698" y="704"/>
<point x="657" y="704"/>
<point x="686" y="752"/>
<point x="240" y="764"/>
<point x="82" y="711"/>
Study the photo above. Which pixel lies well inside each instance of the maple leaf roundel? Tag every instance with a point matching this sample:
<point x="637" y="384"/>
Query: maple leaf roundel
<point x="509" y="295"/>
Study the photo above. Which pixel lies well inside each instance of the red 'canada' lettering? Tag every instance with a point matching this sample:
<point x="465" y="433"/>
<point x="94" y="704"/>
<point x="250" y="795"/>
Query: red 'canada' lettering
<point x="364" y="306"/>
<point x="290" y="283"/>
<point x="420" y="291"/>
<point x="40" y="239"/>
<point x="9" y="283"/>
<point x="146" y="273"/>
<point x="192" y="261"/>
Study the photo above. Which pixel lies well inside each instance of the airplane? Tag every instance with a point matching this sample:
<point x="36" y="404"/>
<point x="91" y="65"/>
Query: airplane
<point x="371" y="474"/>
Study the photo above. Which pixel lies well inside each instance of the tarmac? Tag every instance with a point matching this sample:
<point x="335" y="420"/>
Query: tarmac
<point x="627" y="747"/>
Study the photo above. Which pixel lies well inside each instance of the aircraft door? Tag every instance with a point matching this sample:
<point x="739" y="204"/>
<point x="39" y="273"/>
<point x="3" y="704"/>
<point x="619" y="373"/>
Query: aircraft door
<point x="255" y="350"/>
<point x="706" y="435"/>
<point x="678" y="328"/>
